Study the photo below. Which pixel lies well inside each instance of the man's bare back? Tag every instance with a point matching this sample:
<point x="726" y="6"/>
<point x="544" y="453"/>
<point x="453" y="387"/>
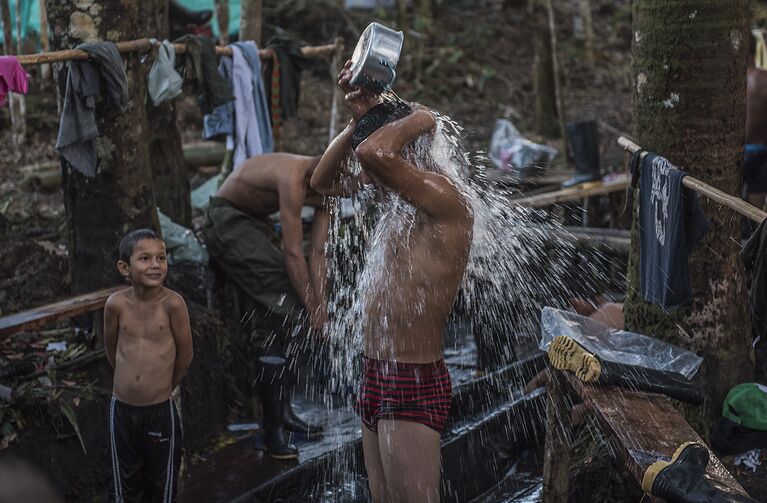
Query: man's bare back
<point x="756" y="107"/>
<point x="254" y="187"/>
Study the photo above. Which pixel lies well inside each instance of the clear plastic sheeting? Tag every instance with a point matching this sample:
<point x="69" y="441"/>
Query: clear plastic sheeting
<point x="181" y="243"/>
<point x="617" y="346"/>
<point x="510" y="151"/>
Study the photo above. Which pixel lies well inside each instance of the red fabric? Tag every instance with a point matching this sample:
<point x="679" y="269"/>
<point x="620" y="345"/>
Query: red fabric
<point x="13" y="78"/>
<point x="415" y="392"/>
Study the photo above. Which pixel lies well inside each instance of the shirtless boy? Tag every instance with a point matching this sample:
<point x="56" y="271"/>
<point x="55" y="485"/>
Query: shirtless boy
<point x="148" y="342"/>
<point x="406" y="390"/>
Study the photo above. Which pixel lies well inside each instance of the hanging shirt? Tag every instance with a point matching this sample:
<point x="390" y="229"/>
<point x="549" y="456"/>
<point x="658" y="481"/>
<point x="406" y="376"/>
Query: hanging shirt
<point x="77" y="129"/>
<point x="671" y="223"/>
<point x="13" y="78"/>
<point x="754" y="256"/>
<point x="260" y="102"/>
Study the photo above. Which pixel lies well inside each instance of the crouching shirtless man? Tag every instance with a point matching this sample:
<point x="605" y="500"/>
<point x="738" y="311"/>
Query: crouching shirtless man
<point x="405" y="391"/>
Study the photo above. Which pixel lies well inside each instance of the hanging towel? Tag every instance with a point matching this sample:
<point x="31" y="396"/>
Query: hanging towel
<point x="163" y="81"/>
<point x="260" y="103"/>
<point x="291" y="62"/>
<point x="671" y="223"/>
<point x="13" y="78"/>
<point x="77" y="130"/>
<point x="200" y="68"/>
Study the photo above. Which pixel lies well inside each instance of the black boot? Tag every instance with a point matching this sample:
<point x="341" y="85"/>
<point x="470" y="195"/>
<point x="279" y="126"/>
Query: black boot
<point x="683" y="479"/>
<point x="295" y="424"/>
<point x="583" y="138"/>
<point x="566" y="354"/>
<point x="273" y="396"/>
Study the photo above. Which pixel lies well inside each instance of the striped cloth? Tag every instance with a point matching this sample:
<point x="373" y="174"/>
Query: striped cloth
<point x="415" y="392"/>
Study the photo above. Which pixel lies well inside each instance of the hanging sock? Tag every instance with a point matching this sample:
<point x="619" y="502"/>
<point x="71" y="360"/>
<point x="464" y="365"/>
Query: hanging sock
<point x="13" y="78"/>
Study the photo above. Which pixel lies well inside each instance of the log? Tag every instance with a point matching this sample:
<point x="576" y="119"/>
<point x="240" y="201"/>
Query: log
<point x="208" y="153"/>
<point x="571" y="194"/>
<point x="43" y="180"/>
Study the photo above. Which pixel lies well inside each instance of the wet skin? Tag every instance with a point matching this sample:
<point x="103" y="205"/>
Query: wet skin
<point x="147" y="334"/>
<point x="268" y="183"/>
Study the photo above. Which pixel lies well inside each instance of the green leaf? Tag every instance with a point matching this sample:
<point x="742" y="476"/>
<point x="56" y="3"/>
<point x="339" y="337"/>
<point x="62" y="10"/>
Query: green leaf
<point x="69" y="412"/>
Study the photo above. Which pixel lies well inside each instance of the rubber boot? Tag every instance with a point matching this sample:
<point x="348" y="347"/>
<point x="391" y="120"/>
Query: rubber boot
<point x="583" y="138"/>
<point x="295" y="424"/>
<point x="566" y="354"/>
<point x="683" y="479"/>
<point x="273" y="396"/>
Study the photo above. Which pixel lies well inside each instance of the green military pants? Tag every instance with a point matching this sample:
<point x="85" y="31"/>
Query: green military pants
<point x="243" y="246"/>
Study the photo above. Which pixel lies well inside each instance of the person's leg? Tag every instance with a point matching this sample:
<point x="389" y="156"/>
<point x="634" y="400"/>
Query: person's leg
<point x="410" y="457"/>
<point x="372" y="455"/>
<point x="162" y="451"/>
<point x="127" y="466"/>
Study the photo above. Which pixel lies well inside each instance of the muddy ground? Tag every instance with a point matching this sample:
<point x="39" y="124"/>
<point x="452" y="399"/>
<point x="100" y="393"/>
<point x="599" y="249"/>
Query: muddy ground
<point x="477" y="68"/>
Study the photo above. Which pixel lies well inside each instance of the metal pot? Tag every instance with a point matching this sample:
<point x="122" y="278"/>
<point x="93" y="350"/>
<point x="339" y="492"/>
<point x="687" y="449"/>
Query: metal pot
<point x="375" y="57"/>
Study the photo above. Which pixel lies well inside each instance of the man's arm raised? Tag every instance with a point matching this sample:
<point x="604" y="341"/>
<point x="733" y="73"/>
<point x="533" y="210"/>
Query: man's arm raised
<point x="328" y="178"/>
<point x="381" y="156"/>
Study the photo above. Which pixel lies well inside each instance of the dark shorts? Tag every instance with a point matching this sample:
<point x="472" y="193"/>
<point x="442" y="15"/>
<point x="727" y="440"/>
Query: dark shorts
<point x="755" y="168"/>
<point x="146" y="451"/>
<point x="415" y="392"/>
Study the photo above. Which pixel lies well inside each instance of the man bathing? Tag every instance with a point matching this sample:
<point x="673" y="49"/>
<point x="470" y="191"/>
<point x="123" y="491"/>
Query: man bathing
<point x="405" y="391"/>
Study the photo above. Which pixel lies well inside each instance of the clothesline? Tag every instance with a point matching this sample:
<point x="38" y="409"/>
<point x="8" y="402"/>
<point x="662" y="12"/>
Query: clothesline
<point x="144" y="44"/>
<point x="707" y="190"/>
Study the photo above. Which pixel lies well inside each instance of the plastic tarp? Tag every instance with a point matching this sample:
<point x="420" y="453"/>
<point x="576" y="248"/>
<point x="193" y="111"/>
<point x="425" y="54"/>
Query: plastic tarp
<point x="181" y="243"/>
<point x="617" y="346"/>
<point x="512" y="152"/>
<point x="234" y="13"/>
<point x="30" y="18"/>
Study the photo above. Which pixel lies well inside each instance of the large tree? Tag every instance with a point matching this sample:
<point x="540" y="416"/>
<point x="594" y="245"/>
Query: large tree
<point x="689" y="77"/>
<point x="120" y="197"/>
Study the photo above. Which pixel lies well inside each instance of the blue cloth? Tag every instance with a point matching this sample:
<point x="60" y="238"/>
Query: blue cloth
<point x="671" y="223"/>
<point x="247" y="118"/>
<point x="754" y="167"/>
<point x="220" y="122"/>
<point x="250" y="52"/>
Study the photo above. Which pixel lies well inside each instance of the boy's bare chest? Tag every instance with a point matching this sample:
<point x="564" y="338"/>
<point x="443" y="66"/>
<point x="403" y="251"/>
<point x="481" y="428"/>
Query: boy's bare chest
<point x="145" y="322"/>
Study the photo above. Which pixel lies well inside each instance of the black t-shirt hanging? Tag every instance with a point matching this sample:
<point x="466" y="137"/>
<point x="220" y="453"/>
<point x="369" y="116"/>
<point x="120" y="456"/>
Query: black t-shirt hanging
<point x="671" y="223"/>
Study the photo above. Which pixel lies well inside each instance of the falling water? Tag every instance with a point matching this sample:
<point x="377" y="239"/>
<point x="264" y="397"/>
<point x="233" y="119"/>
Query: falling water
<point x="517" y="264"/>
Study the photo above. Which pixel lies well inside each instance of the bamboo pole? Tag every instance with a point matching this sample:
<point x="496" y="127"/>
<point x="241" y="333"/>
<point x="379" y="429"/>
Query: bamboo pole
<point x="144" y="44"/>
<point x="732" y="202"/>
<point x="335" y="67"/>
<point x="555" y="68"/>
<point x="45" y="71"/>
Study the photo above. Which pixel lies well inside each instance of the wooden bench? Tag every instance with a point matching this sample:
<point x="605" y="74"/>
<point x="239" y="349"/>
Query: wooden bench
<point x="36" y="318"/>
<point x="642" y="428"/>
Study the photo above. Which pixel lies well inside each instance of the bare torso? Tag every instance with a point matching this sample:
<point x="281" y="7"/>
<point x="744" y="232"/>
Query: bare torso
<point x="253" y="186"/>
<point x="756" y="109"/>
<point x="420" y="270"/>
<point x="146" y="350"/>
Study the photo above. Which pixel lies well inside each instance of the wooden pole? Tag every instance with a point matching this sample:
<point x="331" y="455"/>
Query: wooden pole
<point x="556" y="457"/>
<point x="222" y="14"/>
<point x="143" y="44"/>
<point x="588" y="31"/>
<point x="335" y="67"/>
<point x="45" y="71"/>
<point x="250" y="20"/>
<point x="734" y="203"/>
<point x="555" y="66"/>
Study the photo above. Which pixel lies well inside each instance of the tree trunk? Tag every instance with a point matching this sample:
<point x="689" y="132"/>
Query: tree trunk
<point x="119" y="198"/>
<point x="689" y="106"/>
<point x="250" y="20"/>
<point x="222" y="14"/>
<point x="166" y="154"/>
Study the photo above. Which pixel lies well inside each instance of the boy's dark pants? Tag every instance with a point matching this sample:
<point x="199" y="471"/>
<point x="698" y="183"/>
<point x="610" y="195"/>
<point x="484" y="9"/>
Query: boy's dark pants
<point x="146" y="451"/>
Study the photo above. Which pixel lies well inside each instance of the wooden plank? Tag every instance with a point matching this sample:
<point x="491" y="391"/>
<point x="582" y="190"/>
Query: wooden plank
<point x="501" y="176"/>
<point x="556" y="457"/>
<point x="38" y="317"/>
<point x="645" y="427"/>
<point x="572" y="193"/>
